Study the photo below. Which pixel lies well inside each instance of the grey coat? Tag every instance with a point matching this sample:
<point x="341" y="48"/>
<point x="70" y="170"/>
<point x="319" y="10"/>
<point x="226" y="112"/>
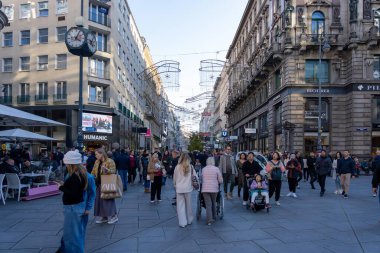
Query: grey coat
<point x="223" y="167"/>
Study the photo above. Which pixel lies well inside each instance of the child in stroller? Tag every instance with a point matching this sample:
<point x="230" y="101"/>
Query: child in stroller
<point x="259" y="190"/>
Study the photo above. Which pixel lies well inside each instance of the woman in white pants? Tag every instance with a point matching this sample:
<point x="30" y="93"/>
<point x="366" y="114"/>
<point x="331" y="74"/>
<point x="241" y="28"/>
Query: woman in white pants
<point x="183" y="186"/>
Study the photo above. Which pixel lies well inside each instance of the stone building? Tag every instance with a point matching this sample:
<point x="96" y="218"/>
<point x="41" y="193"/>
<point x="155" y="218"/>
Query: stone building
<point x="39" y="75"/>
<point x="274" y="70"/>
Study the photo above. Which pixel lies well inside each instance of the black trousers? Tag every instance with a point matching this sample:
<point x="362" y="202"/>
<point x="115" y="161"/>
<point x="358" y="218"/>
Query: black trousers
<point x="292" y="182"/>
<point x="313" y="177"/>
<point x="131" y="175"/>
<point x="322" y="182"/>
<point x="156" y="188"/>
<point x="245" y="190"/>
<point x="275" y="187"/>
<point x="306" y="174"/>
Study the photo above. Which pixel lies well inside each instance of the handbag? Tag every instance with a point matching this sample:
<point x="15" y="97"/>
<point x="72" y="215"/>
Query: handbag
<point x="117" y="185"/>
<point x="194" y="180"/>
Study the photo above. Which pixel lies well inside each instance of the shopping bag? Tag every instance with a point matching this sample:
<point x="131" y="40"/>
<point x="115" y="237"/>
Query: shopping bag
<point x="108" y="183"/>
<point x="118" y="193"/>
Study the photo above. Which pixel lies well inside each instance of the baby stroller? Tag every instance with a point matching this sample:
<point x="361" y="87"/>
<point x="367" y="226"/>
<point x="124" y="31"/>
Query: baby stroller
<point x="259" y="202"/>
<point x="201" y="203"/>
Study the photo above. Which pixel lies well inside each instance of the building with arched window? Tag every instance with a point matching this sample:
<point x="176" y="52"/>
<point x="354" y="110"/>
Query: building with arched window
<point x="281" y="52"/>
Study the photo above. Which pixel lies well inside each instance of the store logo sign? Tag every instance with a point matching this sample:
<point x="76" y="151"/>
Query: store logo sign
<point x="92" y="137"/>
<point x="368" y="87"/>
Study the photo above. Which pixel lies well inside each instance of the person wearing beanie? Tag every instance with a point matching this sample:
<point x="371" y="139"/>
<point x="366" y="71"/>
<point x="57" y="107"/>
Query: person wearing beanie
<point x="105" y="209"/>
<point x="78" y="198"/>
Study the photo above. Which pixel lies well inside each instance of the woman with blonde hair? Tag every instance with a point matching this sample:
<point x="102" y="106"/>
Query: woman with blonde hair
<point x="104" y="208"/>
<point x="183" y="186"/>
<point x="155" y="172"/>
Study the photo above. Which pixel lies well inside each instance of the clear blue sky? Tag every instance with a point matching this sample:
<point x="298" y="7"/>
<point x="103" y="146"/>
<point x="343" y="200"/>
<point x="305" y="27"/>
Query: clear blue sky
<point x="175" y="27"/>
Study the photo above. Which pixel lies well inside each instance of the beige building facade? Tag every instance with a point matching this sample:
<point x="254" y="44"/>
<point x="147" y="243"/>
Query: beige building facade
<point x="274" y="71"/>
<point x="39" y="75"/>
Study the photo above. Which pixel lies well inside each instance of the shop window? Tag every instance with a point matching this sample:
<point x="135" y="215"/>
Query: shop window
<point x="311" y="115"/>
<point x="376" y="110"/>
<point x="313" y="74"/>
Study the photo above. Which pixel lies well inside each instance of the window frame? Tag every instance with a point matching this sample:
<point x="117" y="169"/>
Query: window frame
<point x="39" y="36"/>
<point x="57" y="62"/>
<point x="21" y="64"/>
<point x="43" y="9"/>
<point x="315" y="75"/>
<point x="24" y="38"/>
<point x="39" y="64"/>
<point x="30" y="11"/>
<point x="63" y="37"/>
<point x="11" y="65"/>
<point x="4" y="39"/>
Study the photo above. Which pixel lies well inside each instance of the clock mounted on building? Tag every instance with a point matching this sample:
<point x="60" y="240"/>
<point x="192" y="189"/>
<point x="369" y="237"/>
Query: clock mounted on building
<point x="80" y="41"/>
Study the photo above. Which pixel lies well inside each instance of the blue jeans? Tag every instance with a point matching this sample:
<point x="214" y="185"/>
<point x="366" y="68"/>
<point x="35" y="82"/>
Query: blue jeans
<point x="146" y="184"/>
<point x="163" y="180"/>
<point x="74" y="229"/>
<point x="124" y="178"/>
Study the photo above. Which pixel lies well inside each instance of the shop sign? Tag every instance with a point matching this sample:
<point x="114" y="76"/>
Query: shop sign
<point x="316" y="91"/>
<point x="249" y="130"/>
<point x="93" y="137"/>
<point x="368" y="87"/>
<point x="233" y="137"/>
<point x="362" y="129"/>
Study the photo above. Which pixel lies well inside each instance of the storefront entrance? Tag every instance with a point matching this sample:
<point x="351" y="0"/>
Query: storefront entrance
<point x="311" y="142"/>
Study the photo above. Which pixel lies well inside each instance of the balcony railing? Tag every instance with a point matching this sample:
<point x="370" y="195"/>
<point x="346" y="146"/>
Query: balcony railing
<point x="103" y="74"/>
<point x="98" y="100"/>
<point x="59" y="98"/>
<point x="23" y="99"/>
<point x="41" y="99"/>
<point x="6" y="100"/>
<point x="103" y="20"/>
<point x="315" y="39"/>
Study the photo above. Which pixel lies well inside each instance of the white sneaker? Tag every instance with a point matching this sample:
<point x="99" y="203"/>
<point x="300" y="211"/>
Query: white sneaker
<point x="289" y="194"/>
<point x="278" y="203"/>
<point x="113" y="220"/>
<point x="102" y="220"/>
<point x="340" y="191"/>
<point x="336" y="192"/>
<point x="374" y="195"/>
<point x="294" y="195"/>
<point x="244" y="203"/>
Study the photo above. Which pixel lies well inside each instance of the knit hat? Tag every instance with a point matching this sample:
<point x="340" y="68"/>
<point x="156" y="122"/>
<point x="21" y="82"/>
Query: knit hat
<point x="72" y="157"/>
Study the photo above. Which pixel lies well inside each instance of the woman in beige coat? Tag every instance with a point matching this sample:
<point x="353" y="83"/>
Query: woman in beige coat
<point x="183" y="186"/>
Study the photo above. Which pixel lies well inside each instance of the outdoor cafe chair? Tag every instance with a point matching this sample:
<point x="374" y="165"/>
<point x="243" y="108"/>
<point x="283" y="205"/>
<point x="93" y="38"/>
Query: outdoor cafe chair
<point x="15" y="184"/>
<point x="2" y="176"/>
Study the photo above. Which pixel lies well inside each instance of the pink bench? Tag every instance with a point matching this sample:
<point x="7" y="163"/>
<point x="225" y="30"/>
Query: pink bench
<point x="41" y="192"/>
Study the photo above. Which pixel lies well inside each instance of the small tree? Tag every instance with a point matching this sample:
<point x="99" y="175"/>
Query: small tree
<point x="195" y="142"/>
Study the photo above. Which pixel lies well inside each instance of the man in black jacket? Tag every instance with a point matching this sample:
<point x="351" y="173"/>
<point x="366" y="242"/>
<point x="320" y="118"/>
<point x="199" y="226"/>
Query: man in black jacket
<point x="122" y="165"/>
<point x="323" y="167"/>
<point x="376" y="174"/>
<point x="311" y="160"/>
<point x="90" y="161"/>
<point x="346" y="169"/>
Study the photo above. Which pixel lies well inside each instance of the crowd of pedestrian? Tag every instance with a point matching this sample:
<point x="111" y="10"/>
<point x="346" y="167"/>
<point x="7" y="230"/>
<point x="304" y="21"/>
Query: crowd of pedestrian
<point x="81" y="186"/>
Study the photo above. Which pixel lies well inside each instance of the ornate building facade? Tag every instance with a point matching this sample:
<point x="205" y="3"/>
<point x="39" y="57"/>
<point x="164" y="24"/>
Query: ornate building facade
<point x="280" y="53"/>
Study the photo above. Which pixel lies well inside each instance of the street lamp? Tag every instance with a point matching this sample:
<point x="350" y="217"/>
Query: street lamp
<point x="3" y="18"/>
<point x="322" y="49"/>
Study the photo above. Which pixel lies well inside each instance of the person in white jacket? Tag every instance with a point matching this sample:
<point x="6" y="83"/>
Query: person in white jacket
<point x="183" y="186"/>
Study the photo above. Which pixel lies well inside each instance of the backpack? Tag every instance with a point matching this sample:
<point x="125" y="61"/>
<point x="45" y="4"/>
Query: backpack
<point x="276" y="173"/>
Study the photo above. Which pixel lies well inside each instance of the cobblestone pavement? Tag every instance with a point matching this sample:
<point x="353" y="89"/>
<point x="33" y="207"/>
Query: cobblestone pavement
<point x="306" y="224"/>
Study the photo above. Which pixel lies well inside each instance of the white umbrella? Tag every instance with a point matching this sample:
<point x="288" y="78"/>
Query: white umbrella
<point x="13" y="117"/>
<point x="18" y="133"/>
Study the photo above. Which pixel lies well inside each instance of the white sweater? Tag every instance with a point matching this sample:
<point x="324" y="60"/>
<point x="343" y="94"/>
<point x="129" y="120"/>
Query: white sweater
<point x="182" y="183"/>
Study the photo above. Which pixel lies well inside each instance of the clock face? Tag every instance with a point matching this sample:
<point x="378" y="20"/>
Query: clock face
<point x="91" y="42"/>
<point x="75" y="38"/>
